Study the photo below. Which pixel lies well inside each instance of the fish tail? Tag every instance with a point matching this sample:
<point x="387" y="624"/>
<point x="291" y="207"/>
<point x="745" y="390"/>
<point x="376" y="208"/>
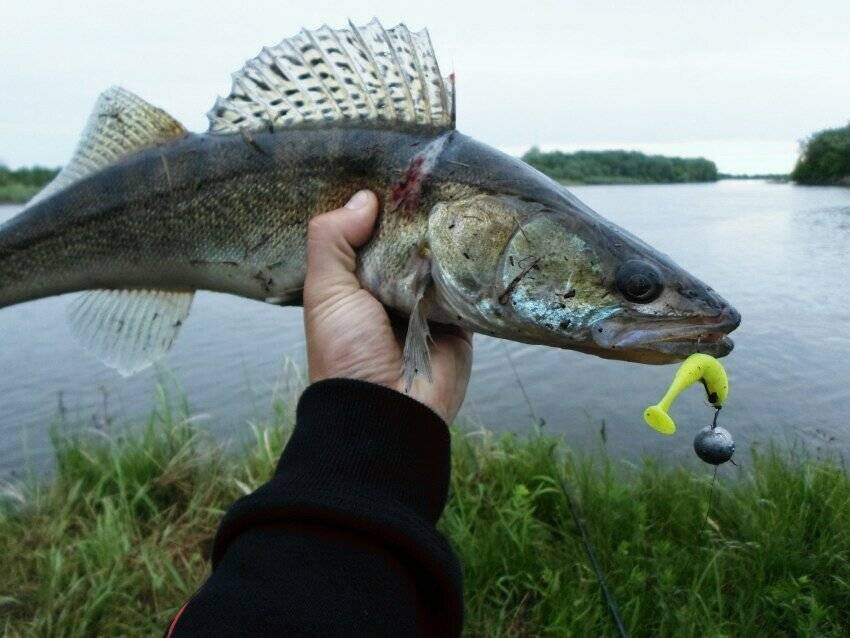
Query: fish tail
<point x="126" y="329"/>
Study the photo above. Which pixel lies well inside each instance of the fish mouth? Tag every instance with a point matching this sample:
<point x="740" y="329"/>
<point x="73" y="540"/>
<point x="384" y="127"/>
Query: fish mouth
<point x="664" y="340"/>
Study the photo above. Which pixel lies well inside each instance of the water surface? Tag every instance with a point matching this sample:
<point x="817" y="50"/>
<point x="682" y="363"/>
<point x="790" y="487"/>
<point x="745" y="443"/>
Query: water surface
<point x="779" y="253"/>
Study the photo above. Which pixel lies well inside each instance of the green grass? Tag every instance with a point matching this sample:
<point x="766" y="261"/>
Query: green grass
<point x="116" y="539"/>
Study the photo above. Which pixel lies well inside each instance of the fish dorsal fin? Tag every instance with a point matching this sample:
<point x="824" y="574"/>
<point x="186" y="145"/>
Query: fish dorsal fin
<point x="358" y="74"/>
<point x="128" y="329"/>
<point x="120" y="124"/>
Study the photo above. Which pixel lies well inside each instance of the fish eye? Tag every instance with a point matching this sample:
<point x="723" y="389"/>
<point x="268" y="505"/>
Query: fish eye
<point x="638" y="281"/>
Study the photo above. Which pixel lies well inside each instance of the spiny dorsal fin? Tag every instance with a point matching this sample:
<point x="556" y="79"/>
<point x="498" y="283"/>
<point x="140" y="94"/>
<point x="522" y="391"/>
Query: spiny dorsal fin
<point x="120" y="124"/>
<point x="128" y="329"/>
<point x="358" y="74"/>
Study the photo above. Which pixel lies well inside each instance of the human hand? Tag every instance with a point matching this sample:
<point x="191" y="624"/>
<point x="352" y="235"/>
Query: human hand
<point x="350" y="334"/>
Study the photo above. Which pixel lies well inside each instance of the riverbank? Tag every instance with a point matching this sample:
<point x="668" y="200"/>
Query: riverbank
<point x="772" y="178"/>
<point x="115" y="541"/>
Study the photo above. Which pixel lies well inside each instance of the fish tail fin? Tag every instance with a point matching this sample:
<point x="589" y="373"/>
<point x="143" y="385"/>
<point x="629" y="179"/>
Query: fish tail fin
<point x="120" y="124"/>
<point x="126" y="329"/>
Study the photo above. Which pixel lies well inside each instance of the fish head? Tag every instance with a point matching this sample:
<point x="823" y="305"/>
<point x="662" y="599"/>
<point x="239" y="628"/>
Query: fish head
<point x="555" y="273"/>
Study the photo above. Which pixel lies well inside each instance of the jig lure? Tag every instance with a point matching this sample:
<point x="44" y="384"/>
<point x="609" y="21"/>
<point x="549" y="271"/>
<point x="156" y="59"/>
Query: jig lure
<point x="713" y="444"/>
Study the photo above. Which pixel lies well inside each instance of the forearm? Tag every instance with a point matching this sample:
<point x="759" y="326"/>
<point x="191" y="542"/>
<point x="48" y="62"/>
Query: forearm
<point x="342" y="540"/>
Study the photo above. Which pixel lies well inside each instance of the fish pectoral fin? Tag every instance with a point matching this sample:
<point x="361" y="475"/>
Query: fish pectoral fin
<point x="128" y="329"/>
<point x="120" y="124"/>
<point x="417" y="354"/>
<point x="416" y="357"/>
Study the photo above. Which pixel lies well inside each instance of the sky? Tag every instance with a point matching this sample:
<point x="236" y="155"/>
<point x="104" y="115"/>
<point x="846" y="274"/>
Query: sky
<point x="739" y="82"/>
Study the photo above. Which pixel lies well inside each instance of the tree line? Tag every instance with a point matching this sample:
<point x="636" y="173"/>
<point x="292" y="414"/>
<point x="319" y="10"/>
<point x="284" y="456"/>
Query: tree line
<point x="624" y="167"/>
<point x="18" y="185"/>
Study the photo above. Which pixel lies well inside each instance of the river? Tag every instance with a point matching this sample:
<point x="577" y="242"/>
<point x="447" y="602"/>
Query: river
<point x="779" y="253"/>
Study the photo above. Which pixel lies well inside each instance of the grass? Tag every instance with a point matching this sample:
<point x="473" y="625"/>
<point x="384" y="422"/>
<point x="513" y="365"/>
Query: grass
<point x="117" y="538"/>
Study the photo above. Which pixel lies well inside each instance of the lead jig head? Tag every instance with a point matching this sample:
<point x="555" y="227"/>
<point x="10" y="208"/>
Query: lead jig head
<point x="714" y="444"/>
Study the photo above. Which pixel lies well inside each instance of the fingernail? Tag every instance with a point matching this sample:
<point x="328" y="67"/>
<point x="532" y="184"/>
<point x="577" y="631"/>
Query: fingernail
<point x="359" y="200"/>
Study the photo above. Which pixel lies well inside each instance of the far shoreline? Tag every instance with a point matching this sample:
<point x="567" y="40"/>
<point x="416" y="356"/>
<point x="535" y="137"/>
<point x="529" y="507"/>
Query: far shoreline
<point x="731" y="178"/>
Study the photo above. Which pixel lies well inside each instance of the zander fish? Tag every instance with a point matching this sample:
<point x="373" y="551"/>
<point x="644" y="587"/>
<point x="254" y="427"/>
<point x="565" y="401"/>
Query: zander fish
<point x="146" y="213"/>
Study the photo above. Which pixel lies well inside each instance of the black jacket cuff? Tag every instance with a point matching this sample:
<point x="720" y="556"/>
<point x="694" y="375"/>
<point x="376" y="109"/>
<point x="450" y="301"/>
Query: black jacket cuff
<point x="371" y="460"/>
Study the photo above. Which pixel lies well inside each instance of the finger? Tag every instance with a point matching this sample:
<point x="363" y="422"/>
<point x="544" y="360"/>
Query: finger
<point x="332" y="238"/>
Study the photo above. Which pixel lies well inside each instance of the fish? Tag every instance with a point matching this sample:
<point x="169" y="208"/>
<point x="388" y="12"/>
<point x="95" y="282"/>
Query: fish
<point x="147" y="213"/>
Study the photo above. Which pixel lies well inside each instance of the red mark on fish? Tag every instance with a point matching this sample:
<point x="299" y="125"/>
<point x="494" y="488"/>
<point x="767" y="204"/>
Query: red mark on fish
<point x="405" y="192"/>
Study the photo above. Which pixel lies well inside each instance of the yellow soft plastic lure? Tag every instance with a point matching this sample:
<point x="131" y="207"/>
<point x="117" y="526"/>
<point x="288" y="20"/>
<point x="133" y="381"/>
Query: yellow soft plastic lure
<point x="697" y="367"/>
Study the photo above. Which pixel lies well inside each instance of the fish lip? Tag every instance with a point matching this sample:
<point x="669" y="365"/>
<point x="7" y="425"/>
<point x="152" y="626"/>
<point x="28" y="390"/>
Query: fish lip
<point x="719" y="346"/>
<point x="676" y="338"/>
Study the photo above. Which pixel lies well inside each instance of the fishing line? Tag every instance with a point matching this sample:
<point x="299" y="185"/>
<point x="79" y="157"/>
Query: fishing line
<point x="578" y="519"/>
<point x="714" y="445"/>
<point x="710" y="494"/>
<point x="610" y="601"/>
<point x="531" y="411"/>
<point x="714" y="476"/>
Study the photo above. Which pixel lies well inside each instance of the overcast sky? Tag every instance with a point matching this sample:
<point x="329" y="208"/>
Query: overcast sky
<point x="738" y="82"/>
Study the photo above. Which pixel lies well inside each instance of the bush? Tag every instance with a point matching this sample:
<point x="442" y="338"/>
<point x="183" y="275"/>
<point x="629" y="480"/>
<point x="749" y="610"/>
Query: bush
<point x="825" y="158"/>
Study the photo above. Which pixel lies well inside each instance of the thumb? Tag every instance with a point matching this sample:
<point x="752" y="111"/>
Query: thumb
<point x="331" y="240"/>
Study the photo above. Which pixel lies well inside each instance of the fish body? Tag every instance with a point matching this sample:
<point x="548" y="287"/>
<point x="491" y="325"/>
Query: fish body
<point x="211" y="212"/>
<point x="467" y="235"/>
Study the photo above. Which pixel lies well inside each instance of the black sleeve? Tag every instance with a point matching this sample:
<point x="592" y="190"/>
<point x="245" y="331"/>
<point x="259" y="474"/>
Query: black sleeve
<point x="342" y="540"/>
